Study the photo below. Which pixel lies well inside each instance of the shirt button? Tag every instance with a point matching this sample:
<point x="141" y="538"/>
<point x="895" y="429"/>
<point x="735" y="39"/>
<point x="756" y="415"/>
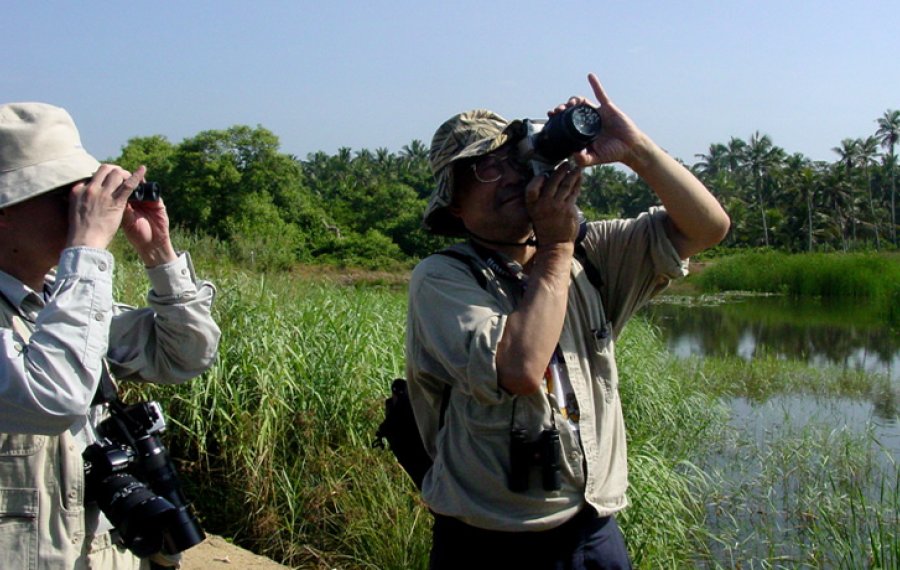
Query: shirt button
<point x="184" y="271"/>
<point x="573" y="455"/>
<point x="98" y="316"/>
<point x="102" y="266"/>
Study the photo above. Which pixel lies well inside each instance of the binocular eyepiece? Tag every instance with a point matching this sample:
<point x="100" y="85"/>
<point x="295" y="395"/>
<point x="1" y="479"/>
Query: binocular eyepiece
<point x="146" y="192"/>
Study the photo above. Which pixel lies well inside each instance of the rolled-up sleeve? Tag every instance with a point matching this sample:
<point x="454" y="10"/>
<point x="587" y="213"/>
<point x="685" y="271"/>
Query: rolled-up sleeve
<point x="637" y="261"/>
<point x="173" y="339"/>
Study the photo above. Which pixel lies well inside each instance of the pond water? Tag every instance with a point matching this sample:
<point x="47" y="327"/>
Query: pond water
<point x="850" y="335"/>
<point x="755" y="516"/>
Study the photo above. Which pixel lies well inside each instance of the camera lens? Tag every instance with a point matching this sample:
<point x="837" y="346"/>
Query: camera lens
<point x="184" y="531"/>
<point x="585" y="122"/>
<point x="138" y="514"/>
<point x="567" y="132"/>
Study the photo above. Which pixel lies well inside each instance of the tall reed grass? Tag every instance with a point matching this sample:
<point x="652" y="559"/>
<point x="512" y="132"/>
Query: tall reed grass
<point x="872" y="276"/>
<point x="799" y="492"/>
<point x="274" y="441"/>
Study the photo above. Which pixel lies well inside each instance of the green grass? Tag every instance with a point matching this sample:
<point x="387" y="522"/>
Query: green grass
<point x="273" y="442"/>
<point x="848" y="275"/>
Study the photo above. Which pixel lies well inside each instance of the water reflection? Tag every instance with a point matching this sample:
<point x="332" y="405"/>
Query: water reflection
<point x="851" y="335"/>
<point x="784" y="445"/>
<point x="848" y="335"/>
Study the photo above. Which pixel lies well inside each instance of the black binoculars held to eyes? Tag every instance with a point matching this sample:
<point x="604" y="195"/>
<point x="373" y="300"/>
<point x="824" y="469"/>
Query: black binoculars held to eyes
<point x="146" y="192"/>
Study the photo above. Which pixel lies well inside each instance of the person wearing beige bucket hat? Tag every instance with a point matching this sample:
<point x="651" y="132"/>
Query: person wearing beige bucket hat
<point x="63" y="337"/>
<point x="511" y="338"/>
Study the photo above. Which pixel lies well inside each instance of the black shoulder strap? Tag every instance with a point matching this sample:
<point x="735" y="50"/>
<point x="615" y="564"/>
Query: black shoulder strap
<point x="477" y="273"/>
<point x="593" y="274"/>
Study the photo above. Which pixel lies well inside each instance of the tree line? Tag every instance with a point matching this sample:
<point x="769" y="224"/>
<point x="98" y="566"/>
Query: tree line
<point x="274" y="210"/>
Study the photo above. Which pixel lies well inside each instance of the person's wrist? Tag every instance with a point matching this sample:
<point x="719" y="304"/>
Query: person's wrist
<point x="642" y="154"/>
<point x="90" y="240"/>
<point x="561" y="247"/>
<point x="157" y="255"/>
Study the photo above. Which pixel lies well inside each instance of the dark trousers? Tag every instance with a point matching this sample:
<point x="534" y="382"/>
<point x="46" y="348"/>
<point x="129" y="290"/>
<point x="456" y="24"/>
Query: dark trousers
<point x="584" y="542"/>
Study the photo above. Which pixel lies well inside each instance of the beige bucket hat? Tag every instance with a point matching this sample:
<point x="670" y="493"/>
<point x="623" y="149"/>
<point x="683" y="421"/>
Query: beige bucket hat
<point x="40" y="150"/>
<point x="469" y="134"/>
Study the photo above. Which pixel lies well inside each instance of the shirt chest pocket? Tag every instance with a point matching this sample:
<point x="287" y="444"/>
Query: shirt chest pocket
<point x="18" y="528"/>
<point x="21" y="444"/>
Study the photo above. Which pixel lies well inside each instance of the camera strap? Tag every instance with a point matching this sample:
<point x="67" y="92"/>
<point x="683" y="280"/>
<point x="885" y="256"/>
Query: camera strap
<point x="530" y="241"/>
<point x="107" y="391"/>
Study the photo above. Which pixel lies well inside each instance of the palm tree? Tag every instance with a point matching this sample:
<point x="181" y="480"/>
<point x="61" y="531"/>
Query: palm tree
<point x="415" y="150"/>
<point x="800" y="181"/>
<point x="866" y="152"/>
<point x="848" y="152"/>
<point x="737" y="150"/>
<point x="762" y="157"/>
<point x="713" y="163"/>
<point x="888" y="134"/>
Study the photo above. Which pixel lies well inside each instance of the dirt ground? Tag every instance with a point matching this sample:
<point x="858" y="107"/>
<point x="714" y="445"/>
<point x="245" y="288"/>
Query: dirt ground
<point x="215" y="553"/>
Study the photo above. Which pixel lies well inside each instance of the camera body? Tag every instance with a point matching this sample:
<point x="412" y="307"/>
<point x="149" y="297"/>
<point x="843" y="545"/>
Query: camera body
<point x="129" y="474"/>
<point x="546" y="143"/>
<point x="545" y="452"/>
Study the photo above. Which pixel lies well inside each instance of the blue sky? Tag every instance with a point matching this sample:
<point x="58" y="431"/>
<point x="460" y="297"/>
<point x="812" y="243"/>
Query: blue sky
<point x="324" y="75"/>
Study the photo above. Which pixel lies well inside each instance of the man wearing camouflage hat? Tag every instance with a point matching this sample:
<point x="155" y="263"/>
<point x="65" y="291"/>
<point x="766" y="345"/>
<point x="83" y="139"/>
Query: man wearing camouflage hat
<point x="510" y="340"/>
<point x="63" y="336"/>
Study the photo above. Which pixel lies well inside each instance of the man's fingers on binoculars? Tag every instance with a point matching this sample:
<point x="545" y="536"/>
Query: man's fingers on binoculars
<point x="130" y="183"/>
<point x="108" y="178"/>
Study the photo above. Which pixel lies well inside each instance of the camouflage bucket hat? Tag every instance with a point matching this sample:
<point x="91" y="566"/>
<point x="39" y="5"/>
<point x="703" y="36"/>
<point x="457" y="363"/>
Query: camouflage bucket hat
<point x="469" y="134"/>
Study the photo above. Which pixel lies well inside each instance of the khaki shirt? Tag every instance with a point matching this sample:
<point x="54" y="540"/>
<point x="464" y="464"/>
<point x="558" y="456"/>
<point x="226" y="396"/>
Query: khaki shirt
<point x="453" y="329"/>
<point x="54" y="343"/>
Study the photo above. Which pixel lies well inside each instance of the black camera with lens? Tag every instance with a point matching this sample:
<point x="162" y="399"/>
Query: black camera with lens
<point x="544" y="452"/>
<point x="146" y="192"/>
<point x="130" y="476"/>
<point x="545" y="144"/>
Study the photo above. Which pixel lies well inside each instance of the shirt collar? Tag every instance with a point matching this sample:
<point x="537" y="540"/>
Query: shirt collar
<point x="17" y="292"/>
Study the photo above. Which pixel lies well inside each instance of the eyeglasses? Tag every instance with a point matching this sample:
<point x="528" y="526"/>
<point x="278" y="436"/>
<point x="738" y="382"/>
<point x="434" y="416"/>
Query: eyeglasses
<point x="490" y="167"/>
